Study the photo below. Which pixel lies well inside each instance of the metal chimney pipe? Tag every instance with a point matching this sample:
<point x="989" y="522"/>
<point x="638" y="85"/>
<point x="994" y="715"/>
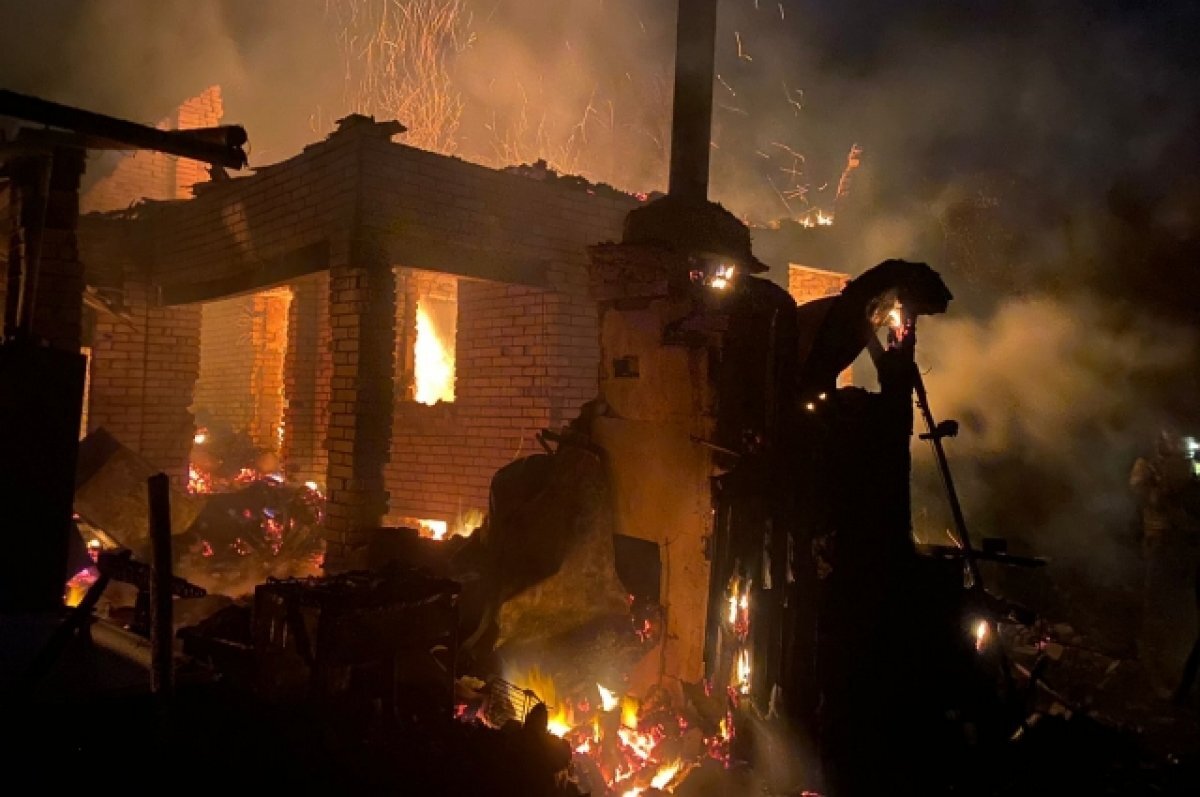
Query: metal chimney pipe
<point x="691" y="120"/>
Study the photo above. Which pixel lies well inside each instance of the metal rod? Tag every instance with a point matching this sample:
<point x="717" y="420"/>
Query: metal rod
<point x="161" y="643"/>
<point x="935" y="439"/>
<point x="691" y="119"/>
<point x="875" y="348"/>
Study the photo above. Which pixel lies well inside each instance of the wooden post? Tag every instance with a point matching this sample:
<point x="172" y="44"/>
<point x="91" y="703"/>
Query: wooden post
<point x="161" y="638"/>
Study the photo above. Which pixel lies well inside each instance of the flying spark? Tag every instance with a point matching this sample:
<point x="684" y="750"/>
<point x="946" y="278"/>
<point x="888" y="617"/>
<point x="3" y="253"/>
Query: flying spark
<point x="741" y="50"/>
<point x="795" y="98"/>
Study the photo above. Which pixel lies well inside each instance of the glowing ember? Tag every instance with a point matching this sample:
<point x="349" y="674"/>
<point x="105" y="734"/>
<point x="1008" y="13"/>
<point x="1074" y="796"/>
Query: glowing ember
<point x="666" y="773"/>
<point x="721" y="277"/>
<point x="629" y="712"/>
<point x="982" y="632"/>
<point x="433" y="362"/>
<point x="632" y="753"/>
<point x="608" y="699"/>
<point x="464" y="525"/>
<point x="433" y="529"/>
<point x="199" y="482"/>
<point x="738" y="600"/>
<point x="742" y="672"/>
<point x="201" y="436"/>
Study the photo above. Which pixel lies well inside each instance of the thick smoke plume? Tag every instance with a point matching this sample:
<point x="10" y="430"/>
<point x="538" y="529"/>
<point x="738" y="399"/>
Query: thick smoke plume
<point x="1055" y="398"/>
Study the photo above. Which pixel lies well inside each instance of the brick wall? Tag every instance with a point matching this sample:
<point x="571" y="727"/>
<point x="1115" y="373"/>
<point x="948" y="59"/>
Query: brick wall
<point x="526" y="359"/>
<point x="222" y="395"/>
<point x="243" y="341"/>
<point x="526" y="355"/>
<point x="443" y="457"/>
<point x="152" y="175"/>
<point x="806" y="284"/>
<point x="143" y="369"/>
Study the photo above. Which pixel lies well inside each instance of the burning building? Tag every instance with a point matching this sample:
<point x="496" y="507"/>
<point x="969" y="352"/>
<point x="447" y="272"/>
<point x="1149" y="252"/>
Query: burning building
<point x="621" y="454"/>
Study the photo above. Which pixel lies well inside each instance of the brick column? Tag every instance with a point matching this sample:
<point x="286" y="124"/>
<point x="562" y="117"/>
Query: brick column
<point x="303" y="415"/>
<point x="362" y="308"/>
<point x="58" y="308"/>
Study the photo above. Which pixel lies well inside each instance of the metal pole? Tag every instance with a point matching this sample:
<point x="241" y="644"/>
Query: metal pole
<point x="691" y="120"/>
<point x="935" y="438"/>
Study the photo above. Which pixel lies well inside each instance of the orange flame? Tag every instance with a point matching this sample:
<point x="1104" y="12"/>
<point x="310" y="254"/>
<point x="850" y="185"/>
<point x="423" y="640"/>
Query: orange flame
<point x="433" y="362"/>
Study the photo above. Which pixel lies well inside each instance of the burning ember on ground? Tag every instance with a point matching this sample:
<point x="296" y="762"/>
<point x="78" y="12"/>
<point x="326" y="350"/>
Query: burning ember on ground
<point x="433" y="529"/>
<point x="622" y="746"/>
<point x="463" y="525"/>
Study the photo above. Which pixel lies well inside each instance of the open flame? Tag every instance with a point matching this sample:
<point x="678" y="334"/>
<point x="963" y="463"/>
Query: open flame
<point x="433" y="529"/>
<point x="463" y="525"/>
<point x="817" y="218"/>
<point x="982" y="633"/>
<point x="666" y="773"/>
<point x="634" y="754"/>
<point x="608" y="699"/>
<point x="433" y="361"/>
<point x="742" y="672"/>
<point x="738" y="620"/>
<point x="721" y="277"/>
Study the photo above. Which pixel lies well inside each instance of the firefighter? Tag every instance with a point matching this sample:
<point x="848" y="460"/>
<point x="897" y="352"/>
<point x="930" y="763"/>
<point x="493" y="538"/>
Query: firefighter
<point x="1165" y="485"/>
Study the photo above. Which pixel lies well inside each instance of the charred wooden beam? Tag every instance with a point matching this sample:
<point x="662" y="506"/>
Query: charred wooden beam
<point x="219" y="146"/>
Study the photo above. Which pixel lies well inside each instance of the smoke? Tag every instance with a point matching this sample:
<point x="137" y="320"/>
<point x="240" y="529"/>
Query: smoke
<point x="1055" y="399"/>
<point x="275" y="61"/>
